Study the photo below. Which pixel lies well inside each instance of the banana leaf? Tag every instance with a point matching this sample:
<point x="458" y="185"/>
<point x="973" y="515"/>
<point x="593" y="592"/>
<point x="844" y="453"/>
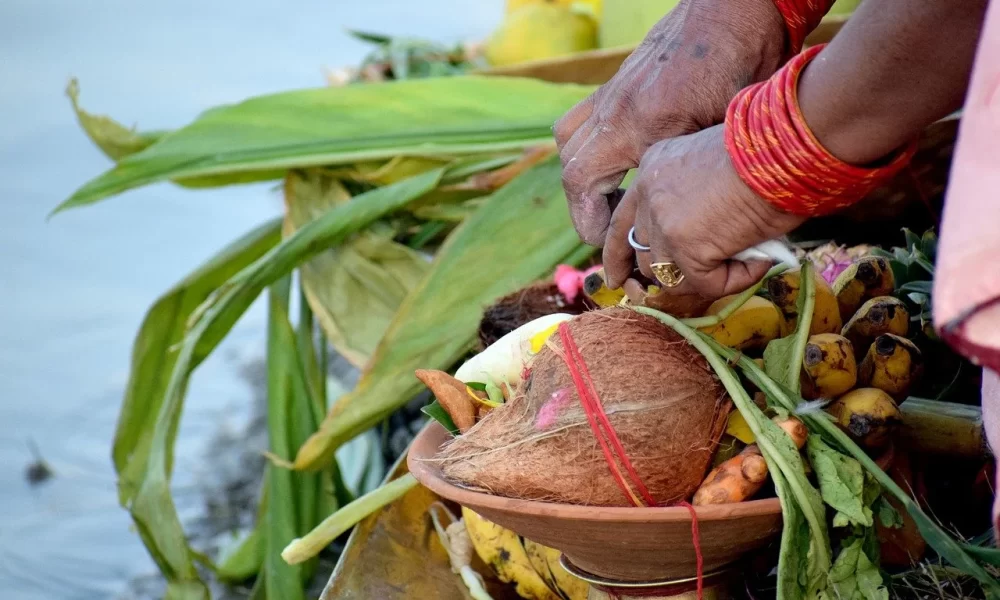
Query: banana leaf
<point x="447" y="116"/>
<point x="519" y="235"/>
<point x="395" y="554"/>
<point x="355" y="288"/>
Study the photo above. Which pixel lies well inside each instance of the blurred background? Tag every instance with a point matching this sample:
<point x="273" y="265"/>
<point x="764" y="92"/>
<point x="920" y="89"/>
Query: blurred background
<point x="75" y="288"/>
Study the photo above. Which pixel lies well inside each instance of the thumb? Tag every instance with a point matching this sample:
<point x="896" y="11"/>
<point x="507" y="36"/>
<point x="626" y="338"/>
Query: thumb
<point x="727" y="277"/>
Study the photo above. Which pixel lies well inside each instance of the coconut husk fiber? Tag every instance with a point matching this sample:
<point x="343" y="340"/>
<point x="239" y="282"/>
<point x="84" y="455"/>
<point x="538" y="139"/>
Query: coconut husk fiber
<point x="523" y="306"/>
<point x="666" y="405"/>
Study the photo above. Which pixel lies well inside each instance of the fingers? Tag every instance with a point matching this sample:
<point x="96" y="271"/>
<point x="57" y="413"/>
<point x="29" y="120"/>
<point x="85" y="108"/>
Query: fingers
<point x="714" y="280"/>
<point x="618" y="254"/>
<point x="573" y="120"/>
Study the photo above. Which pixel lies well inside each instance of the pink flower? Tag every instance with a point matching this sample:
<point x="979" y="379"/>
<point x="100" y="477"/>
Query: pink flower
<point x="570" y="280"/>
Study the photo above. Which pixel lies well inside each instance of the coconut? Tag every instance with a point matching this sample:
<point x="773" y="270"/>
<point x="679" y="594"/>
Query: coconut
<point x="523" y="306"/>
<point x="661" y="397"/>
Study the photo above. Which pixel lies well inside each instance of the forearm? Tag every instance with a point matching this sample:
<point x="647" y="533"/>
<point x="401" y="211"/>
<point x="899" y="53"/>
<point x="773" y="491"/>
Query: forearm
<point x="897" y="66"/>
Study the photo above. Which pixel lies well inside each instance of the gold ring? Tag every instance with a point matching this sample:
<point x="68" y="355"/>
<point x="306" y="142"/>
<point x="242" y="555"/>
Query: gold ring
<point x="667" y="273"/>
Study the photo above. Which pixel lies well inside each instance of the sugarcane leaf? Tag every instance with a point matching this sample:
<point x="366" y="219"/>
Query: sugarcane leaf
<point x="114" y="139"/>
<point x="154" y="351"/>
<point x="355" y="288"/>
<point x="433" y="117"/>
<point x="287" y="489"/>
<point x="525" y="228"/>
<point x="372" y="38"/>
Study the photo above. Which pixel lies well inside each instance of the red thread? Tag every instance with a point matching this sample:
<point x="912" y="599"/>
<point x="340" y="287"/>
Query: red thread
<point x="599" y="421"/>
<point x="696" y="540"/>
<point x="778" y="157"/>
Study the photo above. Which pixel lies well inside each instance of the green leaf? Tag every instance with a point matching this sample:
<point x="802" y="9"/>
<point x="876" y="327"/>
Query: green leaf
<point x="494" y="393"/>
<point x="356" y="287"/>
<point x="372" y="38"/>
<point x="438" y="321"/>
<point x="154" y="351"/>
<point x="783" y="356"/>
<point x="115" y="140"/>
<point x="912" y="240"/>
<point x="437" y="412"/>
<point x="854" y="577"/>
<point x="957" y="554"/>
<point x="329" y="126"/>
<point x="888" y="516"/>
<point x="928" y="244"/>
<point x="841" y="482"/>
<point x="920" y="287"/>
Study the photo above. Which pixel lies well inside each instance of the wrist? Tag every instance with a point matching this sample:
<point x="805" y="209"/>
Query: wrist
<point x="779" y="157"/>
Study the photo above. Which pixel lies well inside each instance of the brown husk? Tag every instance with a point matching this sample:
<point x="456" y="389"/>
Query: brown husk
<point x="523" y="306"/>
<point x="661" y="397"/>
<point x="452" y="396"/>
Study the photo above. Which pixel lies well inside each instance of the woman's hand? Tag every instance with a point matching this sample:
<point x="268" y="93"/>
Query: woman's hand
<point x="679" y="80"/>
<point x="691" y="208"/>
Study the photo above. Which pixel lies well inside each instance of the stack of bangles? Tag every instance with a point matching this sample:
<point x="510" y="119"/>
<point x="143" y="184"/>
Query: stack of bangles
<point x="774" y="151"/>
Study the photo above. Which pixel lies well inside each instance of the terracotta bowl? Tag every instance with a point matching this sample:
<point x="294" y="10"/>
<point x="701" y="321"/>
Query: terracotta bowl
<point x="623" y="544"/>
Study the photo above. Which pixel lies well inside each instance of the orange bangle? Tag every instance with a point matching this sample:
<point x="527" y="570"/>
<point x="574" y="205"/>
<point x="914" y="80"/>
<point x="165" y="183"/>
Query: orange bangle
<point x="778" y="157"/>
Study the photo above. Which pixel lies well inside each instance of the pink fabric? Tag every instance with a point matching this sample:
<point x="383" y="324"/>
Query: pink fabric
<point x="967" y="280"/>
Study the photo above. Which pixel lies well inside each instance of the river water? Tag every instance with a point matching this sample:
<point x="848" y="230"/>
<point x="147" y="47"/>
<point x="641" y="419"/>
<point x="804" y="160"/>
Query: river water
<point x="74" y="288"/>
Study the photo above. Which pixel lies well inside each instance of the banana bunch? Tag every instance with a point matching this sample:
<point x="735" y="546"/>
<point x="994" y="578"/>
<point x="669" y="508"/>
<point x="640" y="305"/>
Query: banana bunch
<point x="533" y="569"/>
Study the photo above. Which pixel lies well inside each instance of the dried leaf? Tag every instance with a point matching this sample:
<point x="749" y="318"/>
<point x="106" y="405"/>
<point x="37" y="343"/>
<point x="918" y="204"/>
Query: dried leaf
<point x="452" y="395"/>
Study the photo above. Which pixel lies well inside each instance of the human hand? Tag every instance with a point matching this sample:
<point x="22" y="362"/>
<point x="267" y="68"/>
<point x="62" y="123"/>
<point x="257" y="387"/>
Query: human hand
<point x="678" y="81"/>
<point x="688" y="204"/>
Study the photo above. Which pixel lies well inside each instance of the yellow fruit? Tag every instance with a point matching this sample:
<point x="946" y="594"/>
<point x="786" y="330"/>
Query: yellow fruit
<point x="784" y="292"/>
<point x="540" y="31"/>
<point x="828" y="366"/>
<point x="751" y="327"/>
<point x="867" y="278"/>
<point x="892" y="364"/>
<point x="868" y="415"/>
<point x="599" y="293"/>
<point x="626" y="22"/>
<point x="545" y="561"/>
<point x="591" y="5"/>
<point x="877" y="316"/>
<point x="501" y="549"/>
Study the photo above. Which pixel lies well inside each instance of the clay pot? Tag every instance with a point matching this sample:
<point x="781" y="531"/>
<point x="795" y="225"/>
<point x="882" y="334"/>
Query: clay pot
<point x="623" y="544"/>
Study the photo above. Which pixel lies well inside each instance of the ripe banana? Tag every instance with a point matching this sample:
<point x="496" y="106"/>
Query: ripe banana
<point x="784" y="292"/>
<point x="893" y="364"/>
<point x="868" y="415"/>
<point x="828" y="367"/>
<point x="595" y="288"/>
<point x="867" y="278"/>
<point x="545" y="561"/>
<point x="877" y="316"/>
<point x="751" y="327"/>
<point x="501" y="549"/>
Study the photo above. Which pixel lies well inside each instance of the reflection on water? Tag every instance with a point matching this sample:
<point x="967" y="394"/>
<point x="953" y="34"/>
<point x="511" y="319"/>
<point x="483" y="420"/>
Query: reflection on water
<point x="74" y="289"/>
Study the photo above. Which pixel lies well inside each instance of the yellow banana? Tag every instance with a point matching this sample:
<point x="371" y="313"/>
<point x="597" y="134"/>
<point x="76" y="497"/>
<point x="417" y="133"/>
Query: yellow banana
<point x="868" y="415"/>
<point x="828" y="366"/>
<point x="545" y="561"/>
<point x="883" y="314"/>
<point x="751" y="327"/>
<point x="892" y="364"/>
<point x="501" y="549"/>
<point x="867" y="278"/>
<point x="784" y="292"/>
<point x="595" y="288"/>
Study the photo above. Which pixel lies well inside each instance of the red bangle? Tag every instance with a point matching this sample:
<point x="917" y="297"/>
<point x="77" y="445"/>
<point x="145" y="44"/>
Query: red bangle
<point x="780" y="159"/>
<point x="801" y="17"/>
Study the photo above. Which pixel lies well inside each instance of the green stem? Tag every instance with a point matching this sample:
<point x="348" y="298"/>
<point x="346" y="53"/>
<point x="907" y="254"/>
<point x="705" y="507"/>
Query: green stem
<point x="807" y="288"/>
<point x="738" y="301"/>
<point x="937" y="537"/>
<point x="308" y="546"/>
<point x="757" y="421"/>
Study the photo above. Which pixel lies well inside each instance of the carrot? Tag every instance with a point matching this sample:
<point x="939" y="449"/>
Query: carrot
<point x="742" y="476"/>
<point x="452" y="395"/>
